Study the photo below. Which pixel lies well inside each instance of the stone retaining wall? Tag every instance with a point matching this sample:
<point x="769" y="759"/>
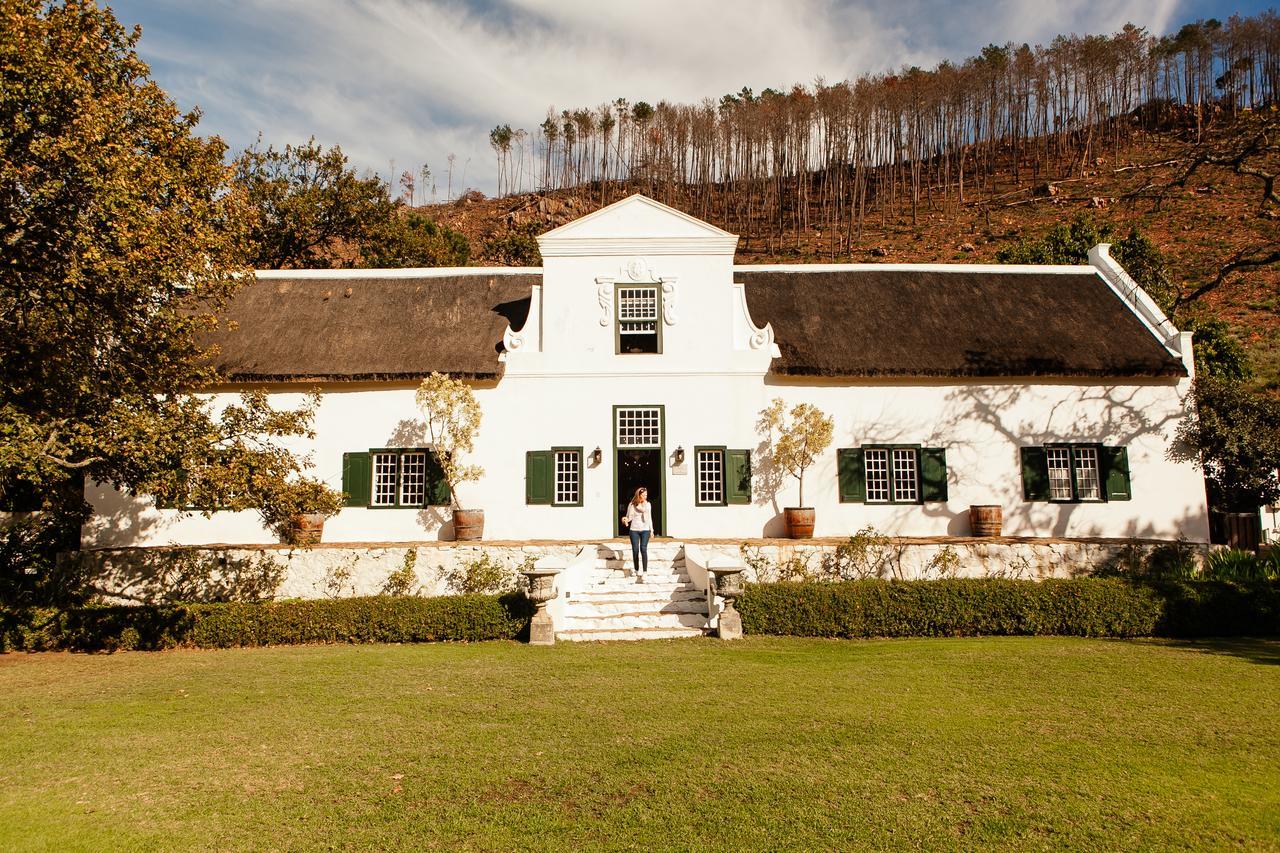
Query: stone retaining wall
<point x="222" y="573"/>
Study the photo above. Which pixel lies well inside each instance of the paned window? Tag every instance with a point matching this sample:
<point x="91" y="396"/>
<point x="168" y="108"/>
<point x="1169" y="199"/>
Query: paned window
<point x="385" y="471"/>
<point x="393" y="477"/>
<point x="639" y="427"/>
<point x="906" y="477"/>
<point x="877" y="476"/>
<point x="710" y="476"/>
<point x="1087" y="481"/>
<point x="1060" y="474"/>
<point x="896" y="474"/>
<point x="638" y="319"/>
<point x="413" y="478"/>
<point x="1069" y="473"/>
<point x="568" y="477"/>
<point x="553" y="477"/>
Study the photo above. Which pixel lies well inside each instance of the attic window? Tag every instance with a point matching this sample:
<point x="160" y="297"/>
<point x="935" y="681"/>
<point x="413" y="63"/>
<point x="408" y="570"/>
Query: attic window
<point x="639" y="330"/>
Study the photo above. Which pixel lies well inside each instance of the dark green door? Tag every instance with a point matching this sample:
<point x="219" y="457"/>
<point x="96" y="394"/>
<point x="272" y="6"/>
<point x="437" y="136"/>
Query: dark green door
<point x="638" y="468"/>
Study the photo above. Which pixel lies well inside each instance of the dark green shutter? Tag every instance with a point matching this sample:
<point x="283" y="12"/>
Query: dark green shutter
<point x="539" y="476"/>
<point x="437" y="486"/>
<point x="933" y="473"/>
<point x="853" y="479"/>
<point x="357" y="478"/>
<point x="737" y="483"/>
<point x="1035" y="474"/>
<point x="1115" y="467"/>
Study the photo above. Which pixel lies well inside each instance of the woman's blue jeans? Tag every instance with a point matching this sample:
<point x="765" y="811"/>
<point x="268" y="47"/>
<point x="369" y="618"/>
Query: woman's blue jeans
<point x="640" y="549"/>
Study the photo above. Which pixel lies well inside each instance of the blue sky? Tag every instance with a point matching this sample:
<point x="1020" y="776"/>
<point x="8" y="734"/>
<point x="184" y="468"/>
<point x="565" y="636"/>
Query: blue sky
<point x="412" y="81"/>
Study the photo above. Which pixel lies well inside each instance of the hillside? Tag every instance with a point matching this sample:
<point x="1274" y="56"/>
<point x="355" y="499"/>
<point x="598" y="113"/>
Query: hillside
<point x="1196" y="227"/>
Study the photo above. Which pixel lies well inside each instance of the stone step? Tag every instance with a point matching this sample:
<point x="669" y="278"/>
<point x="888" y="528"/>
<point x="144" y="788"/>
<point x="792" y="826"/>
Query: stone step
<point x="582" y="635"/>
<point x="626" y="621"/>
<point x="635" y="605"/>
<point x="654" y="554"/>
<point x="649" y="588"/>
<point x="626" y="562"/>
<point x="650" y="576"/>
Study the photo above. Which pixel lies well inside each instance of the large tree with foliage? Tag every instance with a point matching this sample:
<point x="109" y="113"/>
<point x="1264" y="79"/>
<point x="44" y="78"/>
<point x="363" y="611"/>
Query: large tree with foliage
<point x="120" y="237"/>
<point x="1234" y="436"/>
<point x="311" y="210"/>
<point x="1070" y="242"/>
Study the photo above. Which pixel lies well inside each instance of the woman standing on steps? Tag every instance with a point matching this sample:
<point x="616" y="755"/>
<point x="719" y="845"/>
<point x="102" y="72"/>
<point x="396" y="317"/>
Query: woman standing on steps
<point x="639" y="522"/>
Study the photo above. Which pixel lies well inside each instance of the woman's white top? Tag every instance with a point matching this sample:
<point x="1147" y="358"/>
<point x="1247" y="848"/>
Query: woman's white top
<point x="640" y="517"/>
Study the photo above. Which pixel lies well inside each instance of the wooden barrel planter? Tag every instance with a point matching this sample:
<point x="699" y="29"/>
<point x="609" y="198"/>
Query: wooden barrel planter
<point x="986" y="519"/>
<point x="306" y="529"/>
<point x="799" y="522"/>
<point x="468" y="524"/>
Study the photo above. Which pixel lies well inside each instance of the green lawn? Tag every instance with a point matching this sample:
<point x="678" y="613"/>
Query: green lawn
<point x="766" y="743"/>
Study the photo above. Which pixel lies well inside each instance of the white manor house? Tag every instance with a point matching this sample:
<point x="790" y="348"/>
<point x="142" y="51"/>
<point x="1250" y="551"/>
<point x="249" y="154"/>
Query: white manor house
<point x="639" y="354"/>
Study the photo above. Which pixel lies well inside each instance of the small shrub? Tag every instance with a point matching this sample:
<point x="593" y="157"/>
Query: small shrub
<point x="337" y="580"/>
<point x="484" y="575"/>
<point x="1172" y="561"/>
<point x="404" y="580"/>
<point x="1233" y="565"/>
<point x="944" y="564"/>
<point x="1169" y="561"/>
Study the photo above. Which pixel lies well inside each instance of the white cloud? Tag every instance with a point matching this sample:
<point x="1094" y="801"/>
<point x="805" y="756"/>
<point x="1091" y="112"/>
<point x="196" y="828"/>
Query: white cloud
<point x="413" y="80"/>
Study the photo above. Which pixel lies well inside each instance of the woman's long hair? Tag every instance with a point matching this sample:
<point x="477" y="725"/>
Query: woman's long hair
<point x="635" y="499"/>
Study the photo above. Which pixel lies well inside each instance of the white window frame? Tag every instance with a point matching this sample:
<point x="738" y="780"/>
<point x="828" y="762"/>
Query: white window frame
<point x="384" y="492"/>
<point x="709" y="473"/>
<point x="1070" y="483"/>
<point x="567" y="476"/>
<point x="891" y="474"/>
<point x="638" y="315"/>
<point x="635" y="425"/>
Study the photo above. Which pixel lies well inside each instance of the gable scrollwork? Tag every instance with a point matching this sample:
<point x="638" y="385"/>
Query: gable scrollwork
<point x="669" y="300"/>
<point x="604" y="295"/>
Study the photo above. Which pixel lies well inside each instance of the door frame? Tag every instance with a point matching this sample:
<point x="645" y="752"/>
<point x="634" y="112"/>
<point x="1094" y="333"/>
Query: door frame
<point x="662" y="458"/>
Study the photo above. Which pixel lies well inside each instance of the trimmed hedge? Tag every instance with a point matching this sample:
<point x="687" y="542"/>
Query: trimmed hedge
<point x="377" y="619"/>
<point x="1087" y="607"/>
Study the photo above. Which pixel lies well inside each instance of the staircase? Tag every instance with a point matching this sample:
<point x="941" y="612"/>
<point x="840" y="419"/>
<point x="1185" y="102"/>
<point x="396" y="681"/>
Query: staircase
<point x="612" y="606"/>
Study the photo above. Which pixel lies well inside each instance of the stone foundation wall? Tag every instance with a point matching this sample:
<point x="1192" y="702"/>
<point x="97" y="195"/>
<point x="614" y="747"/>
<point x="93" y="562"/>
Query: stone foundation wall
<point x="225" y="573"/>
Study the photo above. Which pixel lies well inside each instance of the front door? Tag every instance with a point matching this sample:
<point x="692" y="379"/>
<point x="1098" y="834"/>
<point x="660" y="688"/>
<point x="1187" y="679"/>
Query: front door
<point x="638" y="460"/>
<point x="639" y="468"/>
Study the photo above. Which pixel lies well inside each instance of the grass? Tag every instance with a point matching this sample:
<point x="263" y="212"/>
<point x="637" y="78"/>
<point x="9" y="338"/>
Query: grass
<point x="766" y="743"/>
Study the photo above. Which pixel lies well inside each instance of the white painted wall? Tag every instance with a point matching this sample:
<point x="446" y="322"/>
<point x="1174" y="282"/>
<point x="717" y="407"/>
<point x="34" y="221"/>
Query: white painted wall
<point x="563" y="378"/>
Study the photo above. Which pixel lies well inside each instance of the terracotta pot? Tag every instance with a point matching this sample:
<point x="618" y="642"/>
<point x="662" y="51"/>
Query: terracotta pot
<point x="985" y="519"/>
<point x="306" y="528"/>
<point x="799" y="522"/>
<point x="468" y="524"/>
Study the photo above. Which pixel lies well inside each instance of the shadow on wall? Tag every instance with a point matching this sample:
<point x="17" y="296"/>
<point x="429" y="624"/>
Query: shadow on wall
<point x="434" y="520"/>
<point x="119" y="518"/>
<point x="1122" y="420"/>
<point x="178" y="575"/>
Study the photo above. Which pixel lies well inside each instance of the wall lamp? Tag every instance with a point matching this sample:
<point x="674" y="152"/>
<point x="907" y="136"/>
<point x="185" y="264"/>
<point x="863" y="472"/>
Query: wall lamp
<point x="679" y="455"/>
<point x="597" y="456"/>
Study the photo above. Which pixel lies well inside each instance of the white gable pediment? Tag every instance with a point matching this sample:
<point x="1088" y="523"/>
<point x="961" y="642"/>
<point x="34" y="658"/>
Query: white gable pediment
<point x="637" y="225"/>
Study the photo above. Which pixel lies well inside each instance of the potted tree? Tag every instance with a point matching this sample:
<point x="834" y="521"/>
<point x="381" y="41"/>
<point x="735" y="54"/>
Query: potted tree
<point x="297" y="509"/>
<point x="796" y="439"/>
<point x="453" y="418"/>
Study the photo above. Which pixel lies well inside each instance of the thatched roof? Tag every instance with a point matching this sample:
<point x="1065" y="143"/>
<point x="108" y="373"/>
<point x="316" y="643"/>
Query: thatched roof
<point x="861" y="322"/>
<point x="325" y="328"/>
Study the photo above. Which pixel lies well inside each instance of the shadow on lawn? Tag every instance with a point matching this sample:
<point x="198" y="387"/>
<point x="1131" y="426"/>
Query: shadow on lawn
<point x="1255" y="650"/>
